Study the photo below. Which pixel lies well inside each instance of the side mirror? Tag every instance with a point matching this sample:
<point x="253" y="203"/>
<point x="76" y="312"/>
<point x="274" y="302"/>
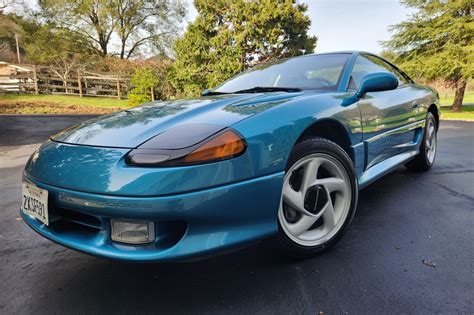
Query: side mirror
<point x="205" y="92"/>
<point x="376" y="82"/>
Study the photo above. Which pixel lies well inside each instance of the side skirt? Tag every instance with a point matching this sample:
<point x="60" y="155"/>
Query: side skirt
<point x="385" y="167"/>
<point x="380" y="169"/>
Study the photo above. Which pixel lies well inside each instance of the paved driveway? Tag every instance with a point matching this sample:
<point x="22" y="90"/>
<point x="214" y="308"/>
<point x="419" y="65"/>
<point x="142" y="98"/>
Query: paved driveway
<point x="402" y="219"/>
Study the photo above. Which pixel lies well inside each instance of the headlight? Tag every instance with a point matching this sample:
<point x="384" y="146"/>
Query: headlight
<point x="188" y="145"/>
<point x="224" y="146"/>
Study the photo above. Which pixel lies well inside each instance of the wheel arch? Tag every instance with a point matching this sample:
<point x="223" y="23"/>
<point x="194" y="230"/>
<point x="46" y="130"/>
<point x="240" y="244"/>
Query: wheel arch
<point x="434" y="110"/>
<point x="332" y="130"/>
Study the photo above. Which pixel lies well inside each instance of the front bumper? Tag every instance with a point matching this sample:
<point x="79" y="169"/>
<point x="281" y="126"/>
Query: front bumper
<point x="187" y="226"/>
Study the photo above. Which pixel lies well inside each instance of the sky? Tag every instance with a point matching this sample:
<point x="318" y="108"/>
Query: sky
<point x="348" y="24"/>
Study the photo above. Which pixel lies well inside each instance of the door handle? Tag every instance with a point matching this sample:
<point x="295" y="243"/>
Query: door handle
<point x="415" y="105"/>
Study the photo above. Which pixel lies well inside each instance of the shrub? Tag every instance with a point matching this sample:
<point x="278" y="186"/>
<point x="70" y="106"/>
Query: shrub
<point x="143" y="81"/>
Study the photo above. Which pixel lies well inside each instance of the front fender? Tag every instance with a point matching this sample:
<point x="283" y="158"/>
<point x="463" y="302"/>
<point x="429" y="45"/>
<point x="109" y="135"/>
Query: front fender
<point x="272" y="134"/>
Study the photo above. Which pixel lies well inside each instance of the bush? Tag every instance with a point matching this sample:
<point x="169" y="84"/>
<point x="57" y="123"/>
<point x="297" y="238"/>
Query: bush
<point x="144" y="81"/>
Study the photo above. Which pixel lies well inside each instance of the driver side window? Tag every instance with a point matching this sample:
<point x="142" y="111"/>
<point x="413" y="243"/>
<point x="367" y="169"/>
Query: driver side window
<point x="366" y="64"/>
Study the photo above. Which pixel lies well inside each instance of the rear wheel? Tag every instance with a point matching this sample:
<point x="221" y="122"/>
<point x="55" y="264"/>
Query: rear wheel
<point x="429" y="145"/>
<point x="319" y="197"/>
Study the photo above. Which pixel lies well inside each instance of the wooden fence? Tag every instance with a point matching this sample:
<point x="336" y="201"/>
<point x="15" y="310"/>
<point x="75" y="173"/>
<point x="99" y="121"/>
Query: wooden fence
<point x="81" y="83"/>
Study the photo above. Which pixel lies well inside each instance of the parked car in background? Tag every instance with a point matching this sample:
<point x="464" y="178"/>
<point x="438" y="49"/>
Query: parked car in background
<point x="279" y="150"/>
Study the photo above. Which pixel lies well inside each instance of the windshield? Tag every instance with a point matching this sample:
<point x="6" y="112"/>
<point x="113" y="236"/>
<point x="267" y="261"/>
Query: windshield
<point x="320" y="72"/>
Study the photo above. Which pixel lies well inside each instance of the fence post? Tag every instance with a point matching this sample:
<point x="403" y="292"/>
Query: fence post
<point x="118" y="88"/>
<point x="35" y="79"/>
<point x="152" y="94"/>
<point x="79" y="83"/>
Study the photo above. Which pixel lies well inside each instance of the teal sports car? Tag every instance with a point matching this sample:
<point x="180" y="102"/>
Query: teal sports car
<point x="280" y="150"/>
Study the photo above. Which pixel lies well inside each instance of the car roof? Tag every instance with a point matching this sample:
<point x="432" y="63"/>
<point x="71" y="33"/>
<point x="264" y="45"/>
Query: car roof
<point x="350" y="52"/>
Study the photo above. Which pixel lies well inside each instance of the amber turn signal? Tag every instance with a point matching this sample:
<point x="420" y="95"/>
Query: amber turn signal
<point x="226" y="145"/>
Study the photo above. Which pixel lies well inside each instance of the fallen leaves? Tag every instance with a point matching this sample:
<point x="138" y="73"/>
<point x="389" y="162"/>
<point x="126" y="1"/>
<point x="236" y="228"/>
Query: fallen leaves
<point x="428" y="263"/>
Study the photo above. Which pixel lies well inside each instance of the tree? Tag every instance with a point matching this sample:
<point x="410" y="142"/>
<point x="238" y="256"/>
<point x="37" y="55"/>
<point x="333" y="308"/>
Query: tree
<point x="437" y="43"/>
<point x="147" y="23"/>
<point x="230" y="35"/>
<point x="44" y="44"/>
<point x="141" y="26"/>
<point x="9" y="28"/>
<point x="144" y="81"/>
<point x="389" y="55"/>
<point x="147" y="76"/>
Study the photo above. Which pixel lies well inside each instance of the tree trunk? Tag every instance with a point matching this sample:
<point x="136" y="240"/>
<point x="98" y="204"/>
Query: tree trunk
<point x="122" y="49"/>
<point x="459" y="96"/>
<point x="103" y="47"/>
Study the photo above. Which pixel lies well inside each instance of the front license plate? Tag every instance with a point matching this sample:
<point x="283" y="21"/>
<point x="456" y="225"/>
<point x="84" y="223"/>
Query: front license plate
<point x="35" y="202"/>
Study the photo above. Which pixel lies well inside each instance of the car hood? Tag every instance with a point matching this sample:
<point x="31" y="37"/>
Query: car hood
<point x="132" y="127"/>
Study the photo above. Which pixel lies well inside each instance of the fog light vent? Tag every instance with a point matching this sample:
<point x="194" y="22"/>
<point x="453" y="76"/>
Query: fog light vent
<point x="132" y="232"/>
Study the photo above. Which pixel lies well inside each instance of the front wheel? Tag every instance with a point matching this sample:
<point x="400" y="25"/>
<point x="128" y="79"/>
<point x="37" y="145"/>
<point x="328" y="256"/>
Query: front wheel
<point x="429" y="145"/>
<point x="319" y="198"/>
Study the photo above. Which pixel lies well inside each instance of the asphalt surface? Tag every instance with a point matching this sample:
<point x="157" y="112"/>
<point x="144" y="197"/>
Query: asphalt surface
<point x="402" y="220"/>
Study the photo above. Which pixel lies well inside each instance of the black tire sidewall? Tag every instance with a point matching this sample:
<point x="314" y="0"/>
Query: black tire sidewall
<point x="429" y="117"/>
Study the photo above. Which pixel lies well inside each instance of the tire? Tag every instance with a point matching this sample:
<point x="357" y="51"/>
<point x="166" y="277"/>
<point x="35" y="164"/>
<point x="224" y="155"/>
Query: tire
<point x="334" y="188"/>
<point x="424" y="160"/>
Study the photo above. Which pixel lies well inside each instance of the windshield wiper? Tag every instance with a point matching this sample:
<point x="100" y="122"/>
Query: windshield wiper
<point x="209" y="93"/>
<point x="260" y="89"/>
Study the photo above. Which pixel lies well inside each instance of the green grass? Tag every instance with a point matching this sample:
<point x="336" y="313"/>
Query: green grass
<point x="67" y="100"/>
<point x="466" y="113"/>
<point x="468" y="99"/>
<point x="467" y="109"/>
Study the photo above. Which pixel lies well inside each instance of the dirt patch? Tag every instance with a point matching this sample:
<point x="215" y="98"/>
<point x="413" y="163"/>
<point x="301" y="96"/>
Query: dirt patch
<point x="41" y="107"/>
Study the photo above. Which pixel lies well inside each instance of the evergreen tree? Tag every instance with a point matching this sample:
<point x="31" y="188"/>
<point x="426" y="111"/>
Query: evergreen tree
<point x="436" y="42"/>
<point x="229" y="35"/>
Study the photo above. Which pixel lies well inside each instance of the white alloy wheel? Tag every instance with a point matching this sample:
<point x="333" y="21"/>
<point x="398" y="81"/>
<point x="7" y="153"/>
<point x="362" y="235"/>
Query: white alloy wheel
<point x="430" y="141"/>
<point x="316" y="199"/>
